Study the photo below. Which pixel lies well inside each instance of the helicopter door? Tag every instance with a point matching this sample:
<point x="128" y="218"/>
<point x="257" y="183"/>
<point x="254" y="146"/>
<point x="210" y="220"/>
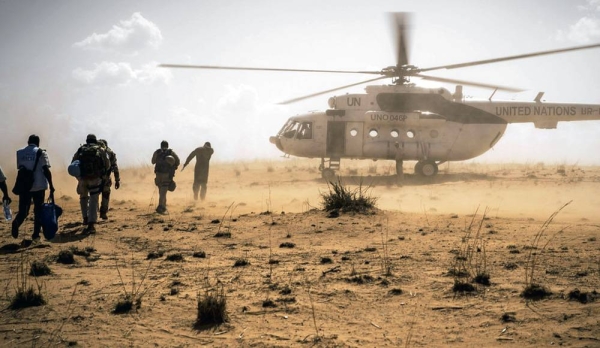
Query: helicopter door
<point x="354" y="139"/>
<point x="335" y="139"/>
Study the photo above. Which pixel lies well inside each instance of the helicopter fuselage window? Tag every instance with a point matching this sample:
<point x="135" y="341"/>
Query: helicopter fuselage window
<point x="373" y="133"/>
<point x="434" y="133"/>
<point x="410" y="134"/>
<point x="353" y="132"/>
<point x="305" y="130"/>
<point x="394" y="133"/>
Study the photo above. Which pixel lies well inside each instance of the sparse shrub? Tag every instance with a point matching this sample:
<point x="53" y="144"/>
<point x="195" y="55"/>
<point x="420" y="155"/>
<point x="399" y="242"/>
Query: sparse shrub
<point x="39" y="268"/>
<point x="361" y="279"/>
<point x="212" y="307"/>
<point x="241" y="263"/>
<point x="223" y="234"/>
<point x="582" y="297"/>
<point x="155" y="254"/>
<point x="510" y="266"/>
<point x="482" y="278"/>
<point x="268" y="304"/>
<point x="177" y="257"/>
<point x="199" y="254"/>
<point x="535" y="292"/>
<point x="131" y="300"/>
<point x="460" y="286"/>
<point x="286" y="290"/>
<point x="126" y="304"/>
<point x="532" y="290"/>
<point x="66" y="257"/>
<point x="287" y="245"/>
<point x="27" y="298"/>
<point x="344" y="199"/>
<point x="370" y="249"/>
<point x="395" y="292"/>
<point x="326" y="260"/>
<point x="25" y="294"/>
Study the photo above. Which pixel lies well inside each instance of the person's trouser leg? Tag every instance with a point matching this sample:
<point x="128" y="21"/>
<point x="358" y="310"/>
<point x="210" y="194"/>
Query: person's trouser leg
<point x="203" y="191"/>
<point x="38" y="201"/>
<point x="105" y="200"/>
<point x="83" y="204"/>
<point x="196" y="188"/>
<point x="162" y="181"/>
<point x="24" y="205"/>
<point x="93" y="208"/>
<point x="94" y="187"/>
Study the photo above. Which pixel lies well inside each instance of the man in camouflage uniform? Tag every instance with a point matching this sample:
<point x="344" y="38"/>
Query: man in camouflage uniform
<point x="114" y="168"/>
<point x="90" y="186"/>
<point x="202" y="155"/>
<point x="165" y="172"/>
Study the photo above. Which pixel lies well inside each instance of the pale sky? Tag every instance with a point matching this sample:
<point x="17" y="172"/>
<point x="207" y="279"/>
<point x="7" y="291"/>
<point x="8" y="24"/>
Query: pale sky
<point x="73" y="67"/>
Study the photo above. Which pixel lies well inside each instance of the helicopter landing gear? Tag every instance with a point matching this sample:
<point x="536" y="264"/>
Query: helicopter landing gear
<point x="328" y="173"/>
<point x="426" y="168"/>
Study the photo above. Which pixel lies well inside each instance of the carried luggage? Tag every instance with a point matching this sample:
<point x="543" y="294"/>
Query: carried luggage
<point x="49" y="218"/>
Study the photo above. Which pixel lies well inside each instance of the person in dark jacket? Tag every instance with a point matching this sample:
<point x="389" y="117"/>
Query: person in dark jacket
<point x="203" y="155"/>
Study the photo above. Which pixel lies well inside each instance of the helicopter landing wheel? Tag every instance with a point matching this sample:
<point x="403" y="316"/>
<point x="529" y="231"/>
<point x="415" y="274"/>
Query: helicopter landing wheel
<point x="426" y="168"/>
<point x="328" y="174"/>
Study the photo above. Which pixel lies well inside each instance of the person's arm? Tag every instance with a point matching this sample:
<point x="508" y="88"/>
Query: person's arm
<point x="48" y="176"/>
<point x="189" y="158"/>
<point x="5" y="196"/>
<point x="155" y="157"/>
<point x="115" y="170"/>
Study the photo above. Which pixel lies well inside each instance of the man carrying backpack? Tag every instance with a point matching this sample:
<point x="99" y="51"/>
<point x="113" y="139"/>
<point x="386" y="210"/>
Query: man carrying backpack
<point x="34" y="159"/>
<point x="114" y="168"/>
<point x="165" y="163"/>
<point x="94" y="164"/>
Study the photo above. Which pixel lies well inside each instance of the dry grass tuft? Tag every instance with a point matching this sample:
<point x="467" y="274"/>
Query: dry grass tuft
<point x="212" y="307"/>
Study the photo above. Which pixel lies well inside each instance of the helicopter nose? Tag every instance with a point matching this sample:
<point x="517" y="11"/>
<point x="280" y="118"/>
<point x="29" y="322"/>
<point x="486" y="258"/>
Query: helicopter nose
<point x="277" y="142"/>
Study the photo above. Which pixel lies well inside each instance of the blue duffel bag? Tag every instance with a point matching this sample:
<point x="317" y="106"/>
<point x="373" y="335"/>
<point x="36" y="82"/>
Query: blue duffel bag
<point x="49" y="218"/>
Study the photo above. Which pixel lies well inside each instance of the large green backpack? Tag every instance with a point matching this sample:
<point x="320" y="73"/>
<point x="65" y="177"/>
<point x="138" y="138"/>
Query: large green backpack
<point x="91" y="161"/>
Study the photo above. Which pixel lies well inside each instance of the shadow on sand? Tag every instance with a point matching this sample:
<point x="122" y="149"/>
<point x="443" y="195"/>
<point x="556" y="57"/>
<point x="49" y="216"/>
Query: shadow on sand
<point x="410" y="179"/>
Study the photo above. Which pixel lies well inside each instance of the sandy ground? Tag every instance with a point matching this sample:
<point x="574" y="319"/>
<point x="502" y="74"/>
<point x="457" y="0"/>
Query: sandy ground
<point x="375" y="280"/>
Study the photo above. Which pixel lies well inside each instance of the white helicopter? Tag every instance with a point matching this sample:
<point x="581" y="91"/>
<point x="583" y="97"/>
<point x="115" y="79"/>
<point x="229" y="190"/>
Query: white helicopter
<point x="404" y="122"/>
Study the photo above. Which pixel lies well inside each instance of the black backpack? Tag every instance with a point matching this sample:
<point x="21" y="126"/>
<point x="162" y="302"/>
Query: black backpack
<point x="91" y="161"/>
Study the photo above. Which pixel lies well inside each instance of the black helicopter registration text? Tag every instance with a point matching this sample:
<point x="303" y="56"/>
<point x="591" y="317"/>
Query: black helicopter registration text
<point x="544" y="111"/>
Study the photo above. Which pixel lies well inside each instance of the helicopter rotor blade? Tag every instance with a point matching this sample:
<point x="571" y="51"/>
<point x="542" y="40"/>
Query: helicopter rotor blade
<point x="521" y="56"/>
<point x="401" y="22"/>
<point x="216" y="67"/>
<point x="468" y="83"/>
<point x="329" y="90"/>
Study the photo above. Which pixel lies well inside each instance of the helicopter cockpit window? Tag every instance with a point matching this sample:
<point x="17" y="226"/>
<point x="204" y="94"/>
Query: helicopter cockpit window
<point x="394" y="133"/>
<point x="373" y="133"/>
<point x="290" y="129"/>
<point x="304" y="130"/>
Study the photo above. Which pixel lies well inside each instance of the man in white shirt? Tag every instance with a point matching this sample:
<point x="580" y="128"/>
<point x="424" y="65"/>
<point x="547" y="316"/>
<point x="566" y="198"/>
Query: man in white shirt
<point x="42" y="178"/>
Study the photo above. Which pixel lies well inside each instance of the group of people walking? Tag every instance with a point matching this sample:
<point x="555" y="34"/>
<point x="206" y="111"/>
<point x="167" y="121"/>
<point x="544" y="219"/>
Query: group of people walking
<point x="94" y="164"/>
